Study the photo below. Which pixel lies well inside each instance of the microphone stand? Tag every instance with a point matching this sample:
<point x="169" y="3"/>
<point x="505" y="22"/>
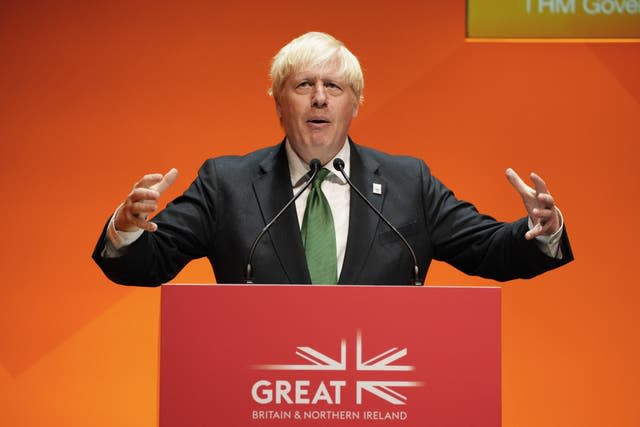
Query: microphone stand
<point x="339" y="165"/>
<point x="315" y="167"/>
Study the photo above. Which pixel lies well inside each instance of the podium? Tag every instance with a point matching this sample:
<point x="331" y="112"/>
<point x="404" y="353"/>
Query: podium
<point x="257" y="355"/>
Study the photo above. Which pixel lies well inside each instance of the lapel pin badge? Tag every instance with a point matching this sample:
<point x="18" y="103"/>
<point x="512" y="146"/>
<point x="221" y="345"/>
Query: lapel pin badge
<point x="377" y="188"/>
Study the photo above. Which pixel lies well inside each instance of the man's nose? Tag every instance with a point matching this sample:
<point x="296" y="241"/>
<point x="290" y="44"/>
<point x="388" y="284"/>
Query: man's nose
<point x="319" y="97"/>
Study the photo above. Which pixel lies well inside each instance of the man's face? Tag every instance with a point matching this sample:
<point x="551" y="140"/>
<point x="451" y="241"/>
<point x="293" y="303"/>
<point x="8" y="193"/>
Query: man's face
<point x="315" y="109"/>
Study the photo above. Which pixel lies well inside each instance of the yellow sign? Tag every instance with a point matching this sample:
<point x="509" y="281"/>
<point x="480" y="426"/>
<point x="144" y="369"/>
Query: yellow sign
<point x="553" y="19"/>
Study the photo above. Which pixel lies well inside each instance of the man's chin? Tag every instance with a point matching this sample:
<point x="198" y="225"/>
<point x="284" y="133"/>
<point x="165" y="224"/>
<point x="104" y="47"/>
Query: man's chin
<point x="324" y="152"/>
<point x="323" y="149"/>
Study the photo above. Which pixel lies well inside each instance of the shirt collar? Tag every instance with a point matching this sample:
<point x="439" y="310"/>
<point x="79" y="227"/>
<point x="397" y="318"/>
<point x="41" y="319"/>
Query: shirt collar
<point x="298" y="168"/>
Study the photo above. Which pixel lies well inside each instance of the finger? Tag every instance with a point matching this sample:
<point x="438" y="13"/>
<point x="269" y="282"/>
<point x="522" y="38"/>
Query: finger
<point x="148" y="180"/>
<point x="534" y="232"/>
<point x="518" y="183"/>
<point x="143" y="208"/>
<point x="546" y="200"/>
<point x="140" y="222"/>
<point x="141" y="194"/>
<point x="540" y="185"/>
<point x="543" y="215"/>
<point x="168" y="179"/>
<point x="547" y="229"/>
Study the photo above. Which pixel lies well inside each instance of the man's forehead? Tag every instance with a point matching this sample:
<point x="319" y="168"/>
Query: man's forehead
<point x="331" y="70"/>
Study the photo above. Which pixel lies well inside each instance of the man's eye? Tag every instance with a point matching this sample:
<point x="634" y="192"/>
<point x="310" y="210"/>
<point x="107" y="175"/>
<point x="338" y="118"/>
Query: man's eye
<point x="333" y="88"/>
<point x="304" y="84"/>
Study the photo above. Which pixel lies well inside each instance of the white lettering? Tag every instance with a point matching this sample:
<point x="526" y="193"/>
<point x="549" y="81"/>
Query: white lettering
<point x="379" y="415"/>
<point x="337" y="385"/>
<point x="266" y="394"/>
<point x="282" y="391"/>
<point x="301" y="393"/>
<point x="271" y="415"/>
<point x="546" y="3"/>
<point x="331" y="415"/>
<point x="567" y="7"/>
<point x="609" y="7"/>
<point x="322" y="394"/>
<point x="555" y="6"/>
<point x="586" y="5"/>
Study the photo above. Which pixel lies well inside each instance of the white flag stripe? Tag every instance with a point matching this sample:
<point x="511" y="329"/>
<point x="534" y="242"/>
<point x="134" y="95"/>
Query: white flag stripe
<point x="327" y="360"/>
<point x="390" y="391"/>
<point x="324" y="363"/>
<point x="385" y="396"/>
<point x="392" y="358"/>
<point x="391" y="383"/>
<point x="380" y="365"/>
<point x="373" y="387"/>
<point x="368" y="362"/>
<point x="315" y="362"/>
<point x="298" y="368"/>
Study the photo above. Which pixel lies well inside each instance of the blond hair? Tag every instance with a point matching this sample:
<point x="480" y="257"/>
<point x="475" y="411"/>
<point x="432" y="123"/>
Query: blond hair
<point x="315" y="50"/>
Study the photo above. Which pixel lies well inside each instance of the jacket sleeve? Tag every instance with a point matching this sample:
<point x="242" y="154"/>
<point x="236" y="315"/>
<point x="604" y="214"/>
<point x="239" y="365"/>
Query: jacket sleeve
<point x="186" y="231"/>
<point x="479" y="245"/>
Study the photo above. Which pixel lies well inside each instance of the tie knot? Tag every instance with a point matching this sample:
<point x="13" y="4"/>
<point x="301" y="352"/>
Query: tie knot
<point x="322" y="174"/>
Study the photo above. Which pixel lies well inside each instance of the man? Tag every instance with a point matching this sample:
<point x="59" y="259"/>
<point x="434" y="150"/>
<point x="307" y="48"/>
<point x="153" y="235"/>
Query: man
<point x="331" y="236"/>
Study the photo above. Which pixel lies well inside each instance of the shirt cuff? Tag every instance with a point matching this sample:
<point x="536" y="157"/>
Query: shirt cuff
<point x="117" y="239"/>
<point x="550" y="245"/>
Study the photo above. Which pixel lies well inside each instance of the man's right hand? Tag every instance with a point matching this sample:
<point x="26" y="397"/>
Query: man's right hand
<point x="143" y="201"/>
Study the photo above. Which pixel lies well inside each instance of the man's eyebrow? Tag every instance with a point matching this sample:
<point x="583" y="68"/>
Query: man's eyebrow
<point x="302" y="77"/>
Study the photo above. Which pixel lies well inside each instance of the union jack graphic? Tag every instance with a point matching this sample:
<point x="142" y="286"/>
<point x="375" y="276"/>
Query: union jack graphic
<point x="382" y="362"/>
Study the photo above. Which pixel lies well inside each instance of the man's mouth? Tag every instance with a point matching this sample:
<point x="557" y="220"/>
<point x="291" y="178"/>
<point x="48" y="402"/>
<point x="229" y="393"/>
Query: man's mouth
<point x="318" y="121"/>
<point x="318" y="124"/>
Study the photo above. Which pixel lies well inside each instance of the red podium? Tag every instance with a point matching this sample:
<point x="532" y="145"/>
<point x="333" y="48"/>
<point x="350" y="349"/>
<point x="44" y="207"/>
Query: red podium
<point x="255" y="355"/>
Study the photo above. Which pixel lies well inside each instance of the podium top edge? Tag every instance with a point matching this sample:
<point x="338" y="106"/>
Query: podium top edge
<point x="332" y="286"/>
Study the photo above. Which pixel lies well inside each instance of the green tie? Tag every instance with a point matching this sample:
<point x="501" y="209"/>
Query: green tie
<point x="319" y="235"/>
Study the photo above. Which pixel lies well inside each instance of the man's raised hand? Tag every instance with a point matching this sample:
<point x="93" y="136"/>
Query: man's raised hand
<point x="143" y="201"/>
<point x="539" y="204"/>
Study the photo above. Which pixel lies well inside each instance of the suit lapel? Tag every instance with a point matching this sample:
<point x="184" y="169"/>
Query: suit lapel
<point x="273" y="190"/>
<point x="363" y="222"/>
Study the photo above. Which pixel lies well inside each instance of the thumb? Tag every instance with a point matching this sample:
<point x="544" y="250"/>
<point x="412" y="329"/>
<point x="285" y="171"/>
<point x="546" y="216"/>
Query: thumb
<point x="167" y="180"/>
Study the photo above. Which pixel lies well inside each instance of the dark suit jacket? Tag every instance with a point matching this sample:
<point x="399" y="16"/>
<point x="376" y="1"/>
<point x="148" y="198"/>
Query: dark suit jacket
<point x="233" y="198"/>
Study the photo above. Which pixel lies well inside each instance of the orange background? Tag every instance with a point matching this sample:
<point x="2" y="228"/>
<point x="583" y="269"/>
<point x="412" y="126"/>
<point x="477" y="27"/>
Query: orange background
<point x="95" y="96"/>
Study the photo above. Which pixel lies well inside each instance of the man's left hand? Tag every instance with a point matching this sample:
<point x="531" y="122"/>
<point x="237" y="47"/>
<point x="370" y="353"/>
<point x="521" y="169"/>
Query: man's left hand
<point x="539" y="204"/>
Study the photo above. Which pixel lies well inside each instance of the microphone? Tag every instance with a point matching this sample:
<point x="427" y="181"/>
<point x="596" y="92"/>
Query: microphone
<point x="338" y="164"/>
<point x="315" y="167"/>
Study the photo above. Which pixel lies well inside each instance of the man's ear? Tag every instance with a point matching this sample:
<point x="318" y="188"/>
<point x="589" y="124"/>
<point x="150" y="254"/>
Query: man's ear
<point x="278" y="109"/>
<point x="356" y="107"/>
